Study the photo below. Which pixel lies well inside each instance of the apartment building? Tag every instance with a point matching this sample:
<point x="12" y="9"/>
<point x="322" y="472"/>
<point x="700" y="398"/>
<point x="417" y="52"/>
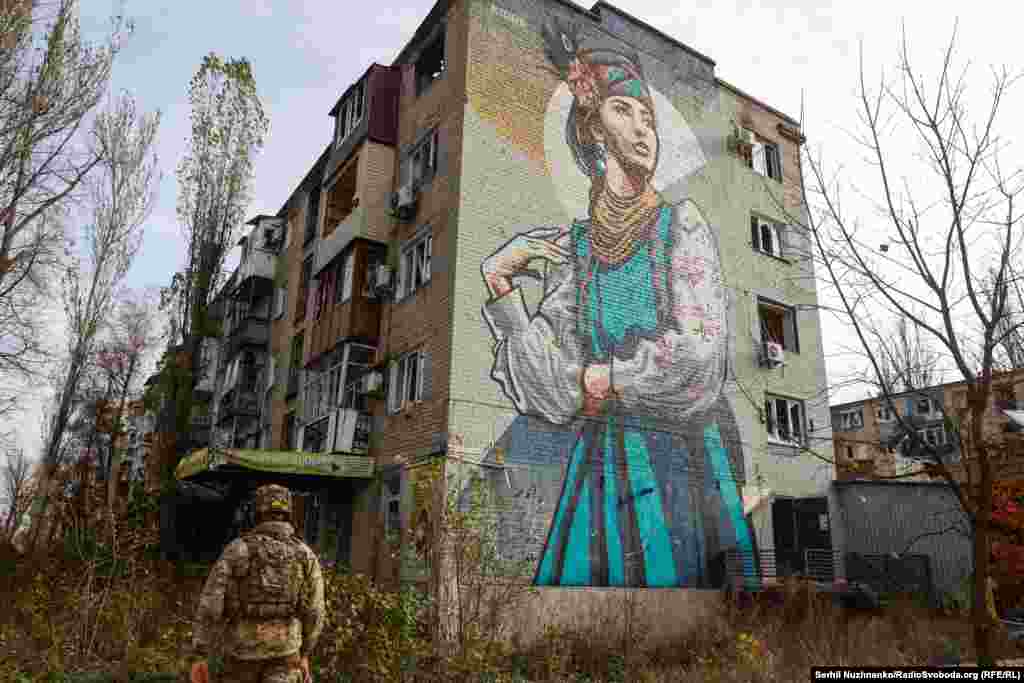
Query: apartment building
<point x="550" y="247"/>
<point x="879" y="438"/>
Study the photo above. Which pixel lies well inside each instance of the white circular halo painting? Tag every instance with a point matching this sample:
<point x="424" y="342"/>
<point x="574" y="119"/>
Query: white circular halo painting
<point x="680" y="154"/>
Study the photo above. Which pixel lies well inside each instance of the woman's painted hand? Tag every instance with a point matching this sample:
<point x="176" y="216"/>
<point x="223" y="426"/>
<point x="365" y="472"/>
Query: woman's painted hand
<point x="514" y="257"/>
<point x="597" y="388"/>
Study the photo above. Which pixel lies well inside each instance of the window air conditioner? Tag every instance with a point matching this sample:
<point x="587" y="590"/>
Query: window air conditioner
<point x="773" y="355"/>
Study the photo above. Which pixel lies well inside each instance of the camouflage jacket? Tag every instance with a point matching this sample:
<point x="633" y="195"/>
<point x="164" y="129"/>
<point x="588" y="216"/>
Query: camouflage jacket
<point x="227" y="619"/>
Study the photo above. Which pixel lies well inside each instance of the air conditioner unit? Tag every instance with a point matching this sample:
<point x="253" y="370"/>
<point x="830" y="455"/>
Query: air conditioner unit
<point x="381" y="279"/>
<point x="773" y="355"/>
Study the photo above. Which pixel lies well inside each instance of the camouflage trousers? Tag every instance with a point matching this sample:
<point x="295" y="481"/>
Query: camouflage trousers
<point x="276" y="670"/>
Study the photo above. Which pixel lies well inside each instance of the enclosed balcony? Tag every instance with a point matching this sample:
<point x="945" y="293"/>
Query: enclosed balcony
<point x="247" y="331"/>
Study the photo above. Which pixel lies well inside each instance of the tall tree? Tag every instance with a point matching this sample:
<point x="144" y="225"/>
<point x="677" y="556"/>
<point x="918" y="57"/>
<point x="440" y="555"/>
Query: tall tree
<point x="122" y="193"/>
<point x="124" y="357"/>
<point x="215" y="182"/>
<point x="46" y="98"/>
<point x="950" y="210"/>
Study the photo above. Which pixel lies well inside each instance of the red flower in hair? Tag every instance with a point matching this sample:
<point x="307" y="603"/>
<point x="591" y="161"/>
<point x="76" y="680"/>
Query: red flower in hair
<point x="583" y="83"/>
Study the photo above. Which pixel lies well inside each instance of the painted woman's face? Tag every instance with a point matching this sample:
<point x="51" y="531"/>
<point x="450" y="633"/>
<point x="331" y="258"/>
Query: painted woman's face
<point x="630" y="133"/>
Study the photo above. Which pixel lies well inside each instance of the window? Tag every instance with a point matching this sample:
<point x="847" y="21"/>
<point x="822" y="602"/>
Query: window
<point x="290" y="432"/>
<point x="393" y="505"/>
<point x="312" y="215"/>
<point x="851" y="419"/>
<point x="415" y="266"/>
<point x="778" y="324"/>
<point x="926" y="406"/>
<point x="784" y="418"/>
<point x="295" y="366"/>
<point x="431" y="65"/>
<point x="405" y="381"/>
<point x="314" y="437"/>
<point x="933" y="436"/>
<point x="280" y="301"/>
<point x="886" y="413"/>
<point x="326" y="284"/>
<point x="350" y="113"/>
<point x="421" y="165"/>
<point x="307" y="275"/>
<point x="343" y="278"/>
<point x="765" y="159"/>
<point x="766" y="236"/>
<point x="341" y="197"/>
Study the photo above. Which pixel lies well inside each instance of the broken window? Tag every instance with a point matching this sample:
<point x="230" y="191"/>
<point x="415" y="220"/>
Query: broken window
<point x="307" y="275"/>
<point x="341" y="198"/>
<point x="765" y="159"/>
<point x="766" y="235"/>
<point x="312" y="215"/>
<point x="431" y="65"/>
<point x="415" y="265"/>
<point x="778" y="324"/>
<point x="784" y="419"/>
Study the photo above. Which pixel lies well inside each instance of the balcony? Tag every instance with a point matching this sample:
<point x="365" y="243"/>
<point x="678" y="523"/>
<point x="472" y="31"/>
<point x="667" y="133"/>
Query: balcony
<point x="255" y="274"/>
<point x="354" y="430"/>
<point x="353" y="225"/>
<point x="247" y="332"/>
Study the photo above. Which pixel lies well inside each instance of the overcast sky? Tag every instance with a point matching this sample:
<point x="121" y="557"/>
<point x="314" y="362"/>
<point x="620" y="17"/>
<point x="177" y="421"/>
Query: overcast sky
<point x="306" y="52"/>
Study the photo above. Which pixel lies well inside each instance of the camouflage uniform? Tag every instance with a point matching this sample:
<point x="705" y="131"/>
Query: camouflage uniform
<point x="263" y="603"/>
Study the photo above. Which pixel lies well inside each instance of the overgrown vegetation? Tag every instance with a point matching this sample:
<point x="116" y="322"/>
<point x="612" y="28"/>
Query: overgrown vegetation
<point x="102" y="607"/>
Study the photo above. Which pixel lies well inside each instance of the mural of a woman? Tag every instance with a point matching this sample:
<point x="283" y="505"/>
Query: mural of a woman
<point x="627" y="350"/>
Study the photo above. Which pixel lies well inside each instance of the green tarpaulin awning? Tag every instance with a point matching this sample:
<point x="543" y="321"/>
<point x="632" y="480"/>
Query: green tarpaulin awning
<point x="338" y="465"/>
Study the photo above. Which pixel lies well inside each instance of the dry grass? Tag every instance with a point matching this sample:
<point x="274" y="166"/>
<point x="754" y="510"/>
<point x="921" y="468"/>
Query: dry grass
<point x="763" y="644"/>
<point x="755" y="644"/>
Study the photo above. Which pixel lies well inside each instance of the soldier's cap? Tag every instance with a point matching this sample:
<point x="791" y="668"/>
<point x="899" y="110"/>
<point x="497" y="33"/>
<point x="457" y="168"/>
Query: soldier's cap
<point x="273" y="498"/>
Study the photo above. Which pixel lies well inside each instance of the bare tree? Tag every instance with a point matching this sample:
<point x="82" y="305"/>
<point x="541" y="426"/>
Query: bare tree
<point x="215" y="181"/>
<point x="906" y="362"/>
<point x="17" y="490"/>
<point x="946" y="221"/>
<point x="51" y="80"/>
<point x="1010" y="328"/>
<point x="121" y="196"/>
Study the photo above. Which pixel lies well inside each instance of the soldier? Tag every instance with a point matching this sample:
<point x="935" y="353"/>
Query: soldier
<point x="264" y="600"/>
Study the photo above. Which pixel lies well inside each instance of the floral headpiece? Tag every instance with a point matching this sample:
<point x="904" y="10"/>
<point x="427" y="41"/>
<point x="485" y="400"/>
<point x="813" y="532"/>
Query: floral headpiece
<point x="593" y="75"/>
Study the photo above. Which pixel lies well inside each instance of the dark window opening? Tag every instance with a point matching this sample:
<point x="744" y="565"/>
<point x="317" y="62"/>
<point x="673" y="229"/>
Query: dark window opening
<point x="315" y="437"/>
<point x="778" y="325"/>
<point x="290" y="432"/>
<point x="431" y="65"/>
<point x="312" y="215"/>
<point x="307" y="275"/>
<point x="341" y="198"/>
